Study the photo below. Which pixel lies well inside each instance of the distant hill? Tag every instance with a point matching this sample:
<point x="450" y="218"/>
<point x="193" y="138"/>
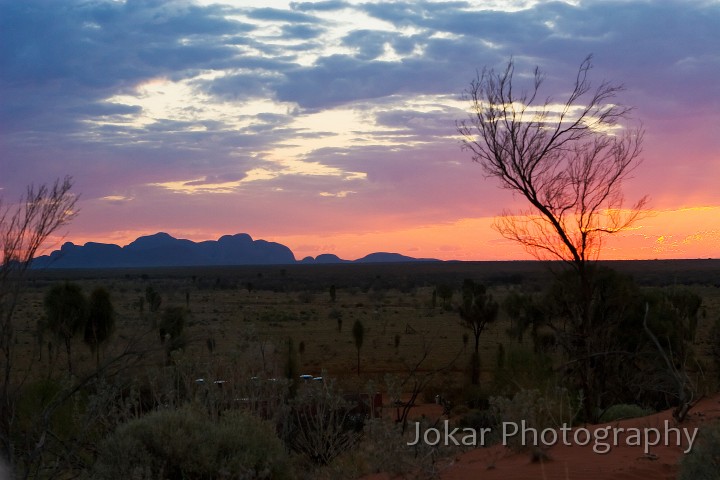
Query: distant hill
<point x="163" y="250"/>
<point x="385" y="257"/>
<point x="324" y="259"/>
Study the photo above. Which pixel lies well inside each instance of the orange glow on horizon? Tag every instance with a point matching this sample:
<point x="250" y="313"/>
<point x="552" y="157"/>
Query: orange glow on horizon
<point x="692" y="232"/>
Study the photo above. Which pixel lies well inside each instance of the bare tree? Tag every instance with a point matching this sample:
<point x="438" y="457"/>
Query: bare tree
<point x="418" y="375"/>
<point x="568" y="159"/>
<point x="24" y="228"/>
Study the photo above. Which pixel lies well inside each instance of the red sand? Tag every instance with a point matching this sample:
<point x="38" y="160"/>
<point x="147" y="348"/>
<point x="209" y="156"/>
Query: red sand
<point x="572" y="462"/>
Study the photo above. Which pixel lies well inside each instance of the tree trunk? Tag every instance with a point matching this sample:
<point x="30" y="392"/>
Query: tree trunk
<point x="475" y="367"/>
<point x="69" y="356"/>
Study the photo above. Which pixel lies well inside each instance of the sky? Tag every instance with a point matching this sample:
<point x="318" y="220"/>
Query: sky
<point x="330" y="126"/>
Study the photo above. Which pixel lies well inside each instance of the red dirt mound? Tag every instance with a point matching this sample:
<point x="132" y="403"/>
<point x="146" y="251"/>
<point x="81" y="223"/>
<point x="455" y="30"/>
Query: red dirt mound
<point x="632" y="454"/>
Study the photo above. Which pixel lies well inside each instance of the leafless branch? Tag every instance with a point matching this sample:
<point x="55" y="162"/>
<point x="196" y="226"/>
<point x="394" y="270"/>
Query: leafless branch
<point x="567" y="159"/>
<point x="24" y="228"/>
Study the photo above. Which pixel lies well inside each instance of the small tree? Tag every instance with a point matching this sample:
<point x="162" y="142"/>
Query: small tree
<point x="100" y="321"/>
<point x="445" y="292"/>
<point x="291" y="367"/>
<point x="477" y="310"/>
<point x="153" y="298"/>
<point x="172" y="324"/>
<point x="24" y="228"/>
<point x="320" y="423"/>
<point x="524" y="311"/>
<point x="65" y="309"/>
<point x="568" y="160"/>
<point x="358" y="332"/>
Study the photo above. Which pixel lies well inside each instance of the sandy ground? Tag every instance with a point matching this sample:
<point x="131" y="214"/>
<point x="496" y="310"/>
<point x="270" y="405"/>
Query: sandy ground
<point x="625" y="461"/>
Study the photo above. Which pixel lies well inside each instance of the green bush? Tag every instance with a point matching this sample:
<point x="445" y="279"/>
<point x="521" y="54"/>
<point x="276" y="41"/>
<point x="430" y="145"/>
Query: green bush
<point x="703" y="462"/>
<point x="624" y="411"/>
<point x="184" y="443"/>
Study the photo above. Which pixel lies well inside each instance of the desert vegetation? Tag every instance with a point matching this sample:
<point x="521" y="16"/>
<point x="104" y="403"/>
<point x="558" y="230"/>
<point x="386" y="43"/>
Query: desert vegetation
<point x="215" y="359"/>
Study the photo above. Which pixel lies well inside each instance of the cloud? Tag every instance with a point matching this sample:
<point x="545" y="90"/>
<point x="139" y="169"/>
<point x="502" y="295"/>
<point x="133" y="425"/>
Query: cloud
<point x="341" y="194"/>
<point x="303" y="32"/>
<point x="275" y="14"/>
<point x="117" y="199"/>
<point x="322" y="6"/>
<point x="328" y="115"/>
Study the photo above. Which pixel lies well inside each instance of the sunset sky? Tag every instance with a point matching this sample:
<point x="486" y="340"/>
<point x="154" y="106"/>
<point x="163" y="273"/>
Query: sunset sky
<point x="330" y="126"/>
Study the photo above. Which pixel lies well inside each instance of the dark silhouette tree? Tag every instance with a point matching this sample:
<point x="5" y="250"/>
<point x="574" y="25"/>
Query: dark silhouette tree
<point x="100" y="322"/>
<point x="25" y="227"/>
<point x="478" y="309"/>
<point x="358" y="332"/>
<point x="568" y="159"/>
<point x="153" y="298"/>
<point x="333" y="293"/>
<point x="524" y="311"/>
<point x="445" y="292"/>
<point x="291" y="367"/>
<point x="171" y="327"/>
<point x="172" y="323"/>
<point x="65" y="311"/>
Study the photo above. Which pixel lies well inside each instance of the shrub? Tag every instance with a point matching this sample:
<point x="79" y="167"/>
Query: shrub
<point x="35" y="401"/>
<point x="172" y="323"/>
<point x="549" y="409"/>
<point x="523" y="368"/>
<point x="624" y="411"/>
<point x="384" y="448"/>
<point x="478" y="419"/>
<point x="321" y="424"/>
<point x="187" y="444"/>
<point x="703" y="462"/>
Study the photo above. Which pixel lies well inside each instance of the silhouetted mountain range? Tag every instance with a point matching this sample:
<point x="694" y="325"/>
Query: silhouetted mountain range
<point x="163" y="250"/>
